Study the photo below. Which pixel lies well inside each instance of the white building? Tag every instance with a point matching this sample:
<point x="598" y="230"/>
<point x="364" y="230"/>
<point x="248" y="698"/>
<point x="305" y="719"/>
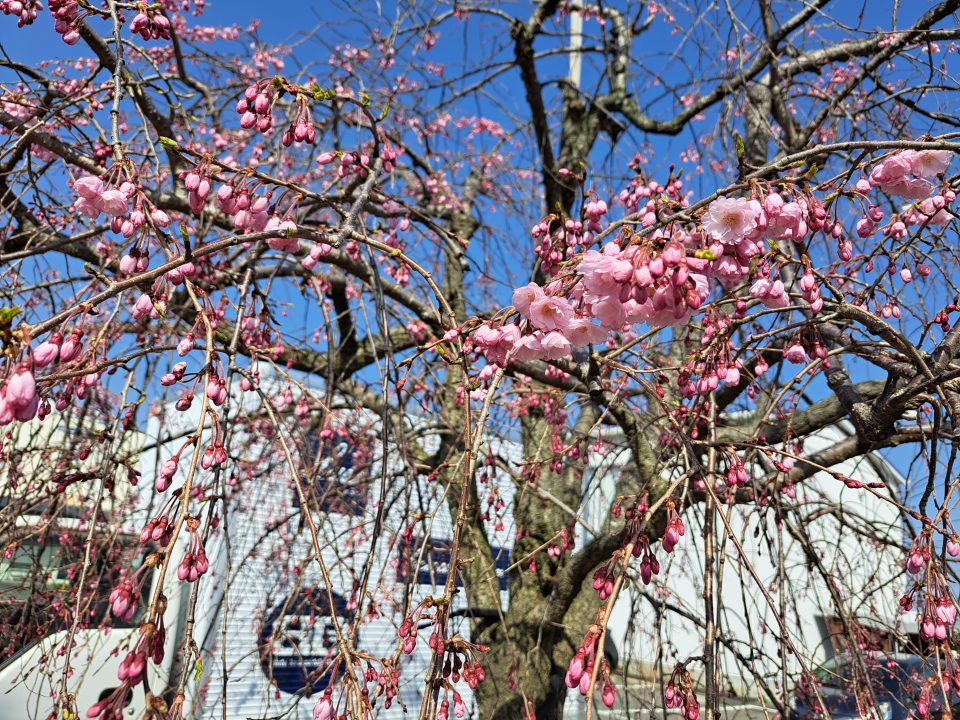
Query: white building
<point x="852" y="536"/>
<point x="263" y="621"/>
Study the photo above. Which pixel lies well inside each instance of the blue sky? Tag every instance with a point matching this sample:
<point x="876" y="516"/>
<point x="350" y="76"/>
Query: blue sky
<point x="287" y="21"/>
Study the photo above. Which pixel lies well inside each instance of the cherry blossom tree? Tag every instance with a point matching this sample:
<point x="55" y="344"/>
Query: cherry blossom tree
<point x="695" y="235"/>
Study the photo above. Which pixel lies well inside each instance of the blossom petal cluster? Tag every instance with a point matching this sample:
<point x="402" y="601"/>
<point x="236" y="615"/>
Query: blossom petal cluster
<point x="905" y="174"/>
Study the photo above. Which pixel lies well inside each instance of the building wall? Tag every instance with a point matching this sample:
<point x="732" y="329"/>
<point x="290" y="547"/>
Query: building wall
<point x="866" y="576"/>
<point x="261" y="556"/>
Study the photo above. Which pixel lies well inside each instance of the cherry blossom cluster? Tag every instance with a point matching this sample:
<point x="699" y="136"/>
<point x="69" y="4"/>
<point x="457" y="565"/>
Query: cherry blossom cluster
<point x="96" y="197"/>
<point x="637" y="539"/>
<point x="905" y="173"/>
<point x="150" y="23"/>
<point x="564" y="542"/>
<point x="69" y="351"/>
<point x="159" y="529"/>
<point x="715" y="361"/>
<point x="674" y="530"/>
<point x="459" y="707"/>
<point x="255" y="109"/>
<point x="937" y="610"/>
<point x="131" y="671"/>
<point x="664" y="277"/>
<point x="736" y="475"/>
<point x="249" y="212"/>
<point x="66" y="16"/>
<point x="194" y="563"/>
<point x="461" y="661"/>
<point x="456" y="668"/>
<point x="604" y="577"/>
<point x="680" y="693"/>
<point x="649" y="190"/>
<point x="561" y="239"/>
<point x="125" y="596"/>
<point x="580" y="671"/>
<point x="256" y="106"/>
<point x="554" y="328"/>
<point x="24" y="10"/>
<point x="302" y="128"/>
<point x="387" y="680"/>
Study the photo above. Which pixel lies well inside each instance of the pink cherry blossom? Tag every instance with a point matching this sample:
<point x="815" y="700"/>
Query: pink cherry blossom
<point x="928" y="163"/>
<point x="581" y="332"/>
<point x="495" y="343"/>
<point x="770" y="292"/>
<point x="45" y="353"/>
<point x="604" y="272"/>
<point x="554" y="346"/>
<point x="89" y="187"/>
<point x="525" y="296"/>
<point x="731" y="219"/>
<point x="550" y="313"/>
<point x="113" y="202"/>
<point x="21" y="388"/>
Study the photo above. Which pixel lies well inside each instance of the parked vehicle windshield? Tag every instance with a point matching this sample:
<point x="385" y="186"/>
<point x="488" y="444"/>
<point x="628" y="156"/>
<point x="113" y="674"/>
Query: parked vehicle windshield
<point x="39" y="576"/>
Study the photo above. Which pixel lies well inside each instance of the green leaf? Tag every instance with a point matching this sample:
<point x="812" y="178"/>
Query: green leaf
<point x="198" y="670"/>
<point x="169" y="143"/>
<point x="8" y="314"/>
<point x="741" y="148"/>
<point x="383" y="113"/>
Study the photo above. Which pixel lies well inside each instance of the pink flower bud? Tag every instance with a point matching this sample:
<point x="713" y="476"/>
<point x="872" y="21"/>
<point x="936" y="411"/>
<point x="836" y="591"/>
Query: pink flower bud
<point x="323" y="710"/>
<point x="21" y="388"/>
<point x="159" y="218"/>
<point x="143" y="307"/>
<point x="45" y="354"/>
<point x="795" y="354"/>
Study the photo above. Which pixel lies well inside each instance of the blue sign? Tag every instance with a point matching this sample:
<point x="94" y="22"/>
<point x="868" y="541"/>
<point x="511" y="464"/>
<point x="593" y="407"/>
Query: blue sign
<point x="298" y="642"/>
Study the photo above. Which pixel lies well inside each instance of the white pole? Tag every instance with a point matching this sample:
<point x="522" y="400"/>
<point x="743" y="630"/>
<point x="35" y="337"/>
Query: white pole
<point x="576" y="42"/>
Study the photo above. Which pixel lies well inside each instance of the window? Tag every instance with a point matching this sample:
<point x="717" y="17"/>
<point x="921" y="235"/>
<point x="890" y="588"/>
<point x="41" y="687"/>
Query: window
<point x="38" y="586"/>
